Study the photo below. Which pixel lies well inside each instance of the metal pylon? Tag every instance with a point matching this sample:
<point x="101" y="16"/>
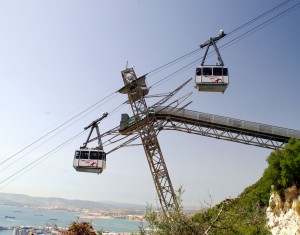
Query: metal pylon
<point x="136" y="89"/>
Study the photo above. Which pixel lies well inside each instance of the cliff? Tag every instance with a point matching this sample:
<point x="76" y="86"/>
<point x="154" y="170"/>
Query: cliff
<point x="283" y="217"/>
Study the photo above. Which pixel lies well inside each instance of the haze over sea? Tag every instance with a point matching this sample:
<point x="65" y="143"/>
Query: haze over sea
<point x="22" y="216"/>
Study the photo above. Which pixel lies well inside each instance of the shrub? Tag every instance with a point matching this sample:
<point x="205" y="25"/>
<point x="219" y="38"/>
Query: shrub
<point x="284" y="166"/>
<point x="297" y="207"/>
<point x="80" y="228"/>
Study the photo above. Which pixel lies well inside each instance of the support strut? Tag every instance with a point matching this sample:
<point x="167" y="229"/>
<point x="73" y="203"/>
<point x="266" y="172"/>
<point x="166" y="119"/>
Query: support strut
<point x="136" y="89"/>
<point x="212" y="42"/>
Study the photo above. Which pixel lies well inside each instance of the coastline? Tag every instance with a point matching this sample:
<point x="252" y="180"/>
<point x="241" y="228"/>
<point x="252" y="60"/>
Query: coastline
<point x="95" y="217"/>
<point x="26" y="217"/>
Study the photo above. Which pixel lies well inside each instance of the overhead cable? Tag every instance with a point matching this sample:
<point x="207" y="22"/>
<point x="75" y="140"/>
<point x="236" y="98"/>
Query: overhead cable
<point x="55" y="129"/>
<point x="230" y="43"/>
<point x="43" y="156"/>
<point x="160" y="68"/>
<point x="259" y="17"/>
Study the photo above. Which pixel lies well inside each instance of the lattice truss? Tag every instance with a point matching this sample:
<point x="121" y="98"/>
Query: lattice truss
<point x="223" y="133"/>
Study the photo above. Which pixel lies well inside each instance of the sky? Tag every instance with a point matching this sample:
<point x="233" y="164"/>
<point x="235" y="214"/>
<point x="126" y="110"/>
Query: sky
<point x="58" y="58"/>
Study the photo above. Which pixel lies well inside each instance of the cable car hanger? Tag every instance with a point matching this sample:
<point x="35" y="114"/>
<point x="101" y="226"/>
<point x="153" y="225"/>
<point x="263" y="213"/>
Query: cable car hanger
<point x="212" y="41"/>
<point x="212" y="78"/>
<point x="91" y="160"/>
<point x="93" y="125"/>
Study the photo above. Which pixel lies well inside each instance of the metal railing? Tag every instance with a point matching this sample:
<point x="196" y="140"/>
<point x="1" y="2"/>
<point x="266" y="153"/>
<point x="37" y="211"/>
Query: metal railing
<point x="233" y="123"/>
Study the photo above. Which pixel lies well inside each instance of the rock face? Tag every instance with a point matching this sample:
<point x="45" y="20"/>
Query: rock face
<point x="283" y="218"/>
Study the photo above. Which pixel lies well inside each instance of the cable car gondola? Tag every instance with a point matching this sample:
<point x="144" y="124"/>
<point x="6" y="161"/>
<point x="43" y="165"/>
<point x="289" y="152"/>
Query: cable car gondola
<point x="92" y="160"/>
<point x="213" y="78"/>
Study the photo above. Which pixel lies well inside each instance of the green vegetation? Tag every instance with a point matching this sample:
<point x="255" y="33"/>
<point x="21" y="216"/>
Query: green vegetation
<point x="245" y="214"/>
<point x="284" y="167"/>
<point x="242" y="215"/>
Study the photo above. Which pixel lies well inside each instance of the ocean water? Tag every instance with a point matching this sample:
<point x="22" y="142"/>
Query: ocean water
<point x="22" y="216"/>
<point x="6" y="232"/>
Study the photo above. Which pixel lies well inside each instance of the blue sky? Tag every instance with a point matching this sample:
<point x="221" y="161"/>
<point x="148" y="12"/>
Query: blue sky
<point x="59" y="57"/>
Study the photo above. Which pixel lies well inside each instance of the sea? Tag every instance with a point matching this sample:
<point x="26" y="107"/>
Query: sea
<point x="23" y="216"/>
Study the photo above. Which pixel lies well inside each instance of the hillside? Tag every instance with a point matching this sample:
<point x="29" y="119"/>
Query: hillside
<point x="52" y="202"/>
<point x="246" y="214"/>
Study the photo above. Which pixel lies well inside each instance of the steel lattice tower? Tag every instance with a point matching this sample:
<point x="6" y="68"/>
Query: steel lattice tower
<point x="136" y="89"/>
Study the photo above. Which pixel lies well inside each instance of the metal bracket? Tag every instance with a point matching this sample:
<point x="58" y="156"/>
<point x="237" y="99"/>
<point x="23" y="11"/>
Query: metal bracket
<point x="93" y="125"/>
<point x="212" y="42"/>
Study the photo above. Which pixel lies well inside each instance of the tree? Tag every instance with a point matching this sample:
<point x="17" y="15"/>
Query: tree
<point x="80" y="228"/>
<point x="176" y="221"/>
<point x="284" y="166"/>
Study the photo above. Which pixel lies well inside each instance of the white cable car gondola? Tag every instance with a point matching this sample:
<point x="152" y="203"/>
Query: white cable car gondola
<point x="91" y="160"/>
<point x="212" y="78"/>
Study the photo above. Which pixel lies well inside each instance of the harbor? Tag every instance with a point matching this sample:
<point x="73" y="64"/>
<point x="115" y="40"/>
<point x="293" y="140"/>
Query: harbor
<point x="26" y="217"/>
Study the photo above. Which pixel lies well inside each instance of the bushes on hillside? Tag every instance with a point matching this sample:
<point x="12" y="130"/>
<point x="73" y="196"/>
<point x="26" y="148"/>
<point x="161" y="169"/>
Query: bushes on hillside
<point x="284" y="166"/>
<point x="245" y="214"/>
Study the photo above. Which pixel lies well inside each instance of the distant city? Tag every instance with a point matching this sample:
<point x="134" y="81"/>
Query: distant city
<point x="25" y="230"/>
<point x="84" y="209"/>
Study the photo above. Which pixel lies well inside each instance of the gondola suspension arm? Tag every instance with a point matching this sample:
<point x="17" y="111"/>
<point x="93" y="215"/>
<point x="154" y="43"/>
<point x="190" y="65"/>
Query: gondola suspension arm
<point x="94" y="125"/>
<point x="212" y="42"/>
